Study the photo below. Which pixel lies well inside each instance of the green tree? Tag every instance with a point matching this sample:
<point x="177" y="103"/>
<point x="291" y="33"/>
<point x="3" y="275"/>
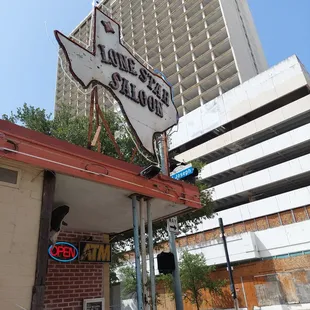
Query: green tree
<point x="129" y="284"/>
<point x="66" y="125"/>
<point x="195" y="278"/>
<point x="194" y="274"/>
<point x="74" y="129"/>
<point x="128" y="280"/>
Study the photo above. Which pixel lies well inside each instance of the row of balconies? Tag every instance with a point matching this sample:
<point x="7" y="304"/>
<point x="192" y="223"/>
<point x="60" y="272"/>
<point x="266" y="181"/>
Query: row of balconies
<point x="148" y="8"/>
<point x="191" y="97"/>
<point x="202" y="62"/>
<point x="210" y="90"/>
<point x="82" y="30"/>
<point x="178" y="19"/>
<point x="184" y="62"/>
<point x="183" y="45"/>
<point x="196" y="24"/>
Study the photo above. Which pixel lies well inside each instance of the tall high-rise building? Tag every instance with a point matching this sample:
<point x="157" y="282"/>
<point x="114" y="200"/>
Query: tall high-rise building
<point x="204" y="47"/>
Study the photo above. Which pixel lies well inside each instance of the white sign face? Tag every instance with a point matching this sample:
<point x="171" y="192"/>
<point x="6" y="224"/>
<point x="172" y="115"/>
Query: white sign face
<point x="172" y="225"/>
<point x="144" y="97"/>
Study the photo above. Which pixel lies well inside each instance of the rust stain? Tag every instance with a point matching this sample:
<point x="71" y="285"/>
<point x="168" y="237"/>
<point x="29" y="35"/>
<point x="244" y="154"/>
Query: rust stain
<point x="274" y="220"/>
<point x="261" y="223"/>
<point x="300" y="214"/>
<point x="286" y="217"/>
<point x="250" y="292"/>
<point x="300" y="277"/>
<point x="250" y="225"/>
<point x="260" y="280"/>
<point x="239" y="228"/>
<point x="288" y="287"/>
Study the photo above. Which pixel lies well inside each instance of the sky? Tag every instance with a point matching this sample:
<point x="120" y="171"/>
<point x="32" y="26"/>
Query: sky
<point x="28" y="53"/>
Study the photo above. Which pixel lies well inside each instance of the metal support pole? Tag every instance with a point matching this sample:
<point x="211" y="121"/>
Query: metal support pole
<point x="143" y="250"/>
<point x="163" y="148"/>
<point x="137" y="252"/>
<point x="164" y="169"/>
<point x="151" y="253"/>
<point x="231" y="279"/>
<point x="176" y="274"/>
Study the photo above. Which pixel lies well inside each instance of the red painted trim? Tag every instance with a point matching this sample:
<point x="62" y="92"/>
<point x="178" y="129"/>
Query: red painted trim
<point x="37" y="149"/>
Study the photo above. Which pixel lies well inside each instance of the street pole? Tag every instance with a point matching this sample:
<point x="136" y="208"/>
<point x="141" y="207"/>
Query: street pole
<point x="176" y="273"/>
<point x="151" y="253"/>
<point x="143" y="250"/>
<point x="163" y="148"/>
<point x="137" y="252"/>
<point x="231" y="279"/>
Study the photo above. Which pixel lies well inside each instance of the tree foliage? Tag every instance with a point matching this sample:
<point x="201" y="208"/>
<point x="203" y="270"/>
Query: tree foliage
<point x="68" y="126"/>
<point x="195" y="278"/>
<point x="128" y="280"/>
<point x="194" y="274"/>
<point x="129" y="283"/>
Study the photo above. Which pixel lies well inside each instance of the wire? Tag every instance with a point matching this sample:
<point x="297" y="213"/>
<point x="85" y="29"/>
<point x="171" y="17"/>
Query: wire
<point x="136" y="145"/>
<point x="86" y="171"/>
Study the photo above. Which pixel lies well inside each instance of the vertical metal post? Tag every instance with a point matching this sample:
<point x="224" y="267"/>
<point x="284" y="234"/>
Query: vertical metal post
<point x="231" y="279"/>
<point x="143" y="249"/>
<point x="176" y="274"/>
<point x="151" y="253"/>
<point x="137" y="252"/>
<point x="162" y="155"/>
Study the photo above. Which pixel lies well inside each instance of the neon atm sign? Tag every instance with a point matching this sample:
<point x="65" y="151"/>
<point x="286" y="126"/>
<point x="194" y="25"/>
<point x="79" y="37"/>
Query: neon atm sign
<point x="63" y="252"/>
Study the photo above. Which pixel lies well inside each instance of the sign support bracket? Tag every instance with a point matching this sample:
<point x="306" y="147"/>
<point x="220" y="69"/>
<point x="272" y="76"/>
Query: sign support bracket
<point x="151" y="253"/>
<point x="99" y="115"/>
<point x="137" y="252"/>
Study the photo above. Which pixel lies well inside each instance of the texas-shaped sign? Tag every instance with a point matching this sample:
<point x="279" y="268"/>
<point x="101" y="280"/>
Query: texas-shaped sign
<point x="144" y="97"/>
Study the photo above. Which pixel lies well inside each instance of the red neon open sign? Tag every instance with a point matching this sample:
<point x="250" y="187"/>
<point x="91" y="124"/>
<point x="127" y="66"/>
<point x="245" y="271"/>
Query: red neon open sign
<point x="63" y="252"/>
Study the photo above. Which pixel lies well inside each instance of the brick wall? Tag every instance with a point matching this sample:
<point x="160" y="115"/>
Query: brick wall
<point x="20" y="207"/>
<point x="69" y="283"/>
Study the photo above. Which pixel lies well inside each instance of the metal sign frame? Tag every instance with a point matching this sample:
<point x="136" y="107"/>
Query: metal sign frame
<point x="110" y="31"/>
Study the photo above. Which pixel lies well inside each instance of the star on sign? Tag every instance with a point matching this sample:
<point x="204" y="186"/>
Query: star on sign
<point x="144" y="97"/>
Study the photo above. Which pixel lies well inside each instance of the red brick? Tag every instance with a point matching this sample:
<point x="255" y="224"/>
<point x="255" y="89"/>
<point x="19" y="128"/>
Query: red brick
<point x="67" y="284"/>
